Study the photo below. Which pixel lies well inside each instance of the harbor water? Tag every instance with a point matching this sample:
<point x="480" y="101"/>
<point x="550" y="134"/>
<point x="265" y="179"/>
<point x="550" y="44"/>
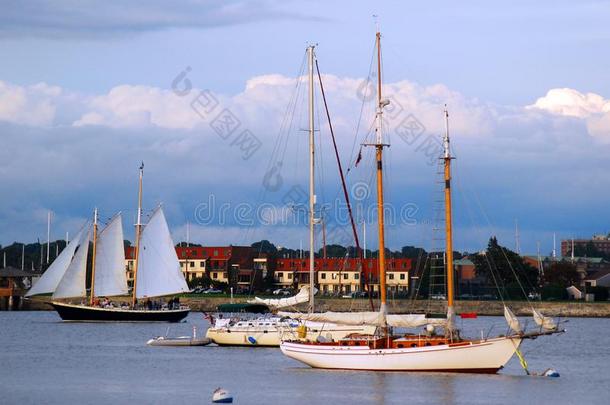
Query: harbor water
<point x="46" y="361"/>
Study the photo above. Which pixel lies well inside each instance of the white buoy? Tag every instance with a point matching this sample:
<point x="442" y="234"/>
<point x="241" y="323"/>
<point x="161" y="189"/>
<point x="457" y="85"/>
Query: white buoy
<point x="221" y="396"/>
<point x="549" y="372"/>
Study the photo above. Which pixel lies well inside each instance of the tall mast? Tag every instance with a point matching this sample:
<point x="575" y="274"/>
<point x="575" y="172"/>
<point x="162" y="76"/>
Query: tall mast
<point x="379" y="145"/>
<point x="48" y="234"/>
<point x="448" y="225"/>
<point x="138" y="232"/>
<point x="23" y="256"/>
<point x="312" y="195"/>
<point x="92" y="292"/>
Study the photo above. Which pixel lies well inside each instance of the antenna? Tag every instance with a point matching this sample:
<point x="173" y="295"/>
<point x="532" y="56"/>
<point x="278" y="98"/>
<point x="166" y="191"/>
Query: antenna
<point x="572" y="250"/>
<point x="48" y="234"/>
<point x="554" y="249"/>
<point x="517" y="247"/>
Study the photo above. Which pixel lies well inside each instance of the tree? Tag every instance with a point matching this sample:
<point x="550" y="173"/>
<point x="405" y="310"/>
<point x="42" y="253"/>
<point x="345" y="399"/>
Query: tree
<point x="505" y="269"/>
<point x="264" y="246"/>
<point x="561" y="274"/>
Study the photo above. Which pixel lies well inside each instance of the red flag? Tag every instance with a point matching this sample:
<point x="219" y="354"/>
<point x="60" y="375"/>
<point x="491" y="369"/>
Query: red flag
<point x="468" y="315"/>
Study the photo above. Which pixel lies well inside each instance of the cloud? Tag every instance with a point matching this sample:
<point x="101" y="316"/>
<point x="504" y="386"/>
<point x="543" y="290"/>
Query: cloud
<point x="590" y="107"/>
<point x="98" y="19"/>
<point x="70" y="152"/>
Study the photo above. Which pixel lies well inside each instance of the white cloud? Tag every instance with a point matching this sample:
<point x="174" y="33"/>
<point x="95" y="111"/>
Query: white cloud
<point x="31" y="105"/>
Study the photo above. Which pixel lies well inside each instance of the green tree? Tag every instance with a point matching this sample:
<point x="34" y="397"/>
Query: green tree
<point x="561" y="274"/>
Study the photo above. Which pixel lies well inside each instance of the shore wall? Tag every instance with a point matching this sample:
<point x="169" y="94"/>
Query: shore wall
<point x="492" y="308"/>
<point x="495" y="308"/>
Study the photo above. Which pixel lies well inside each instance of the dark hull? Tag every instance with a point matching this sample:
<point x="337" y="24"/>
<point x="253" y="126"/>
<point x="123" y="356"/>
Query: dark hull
<point x="70" y="312"/>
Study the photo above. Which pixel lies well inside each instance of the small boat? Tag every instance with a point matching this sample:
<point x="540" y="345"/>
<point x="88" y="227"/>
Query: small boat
<point x="180" y="340"/>
<point x="221" y="396"/>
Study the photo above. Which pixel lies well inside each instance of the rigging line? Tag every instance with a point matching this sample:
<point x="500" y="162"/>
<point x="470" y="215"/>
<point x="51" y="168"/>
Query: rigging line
<point x="359" y="252"/>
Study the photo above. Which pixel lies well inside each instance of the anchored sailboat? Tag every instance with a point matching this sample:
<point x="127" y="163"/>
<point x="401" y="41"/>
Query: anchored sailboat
<point x="427" y="351"/>
<point x="157" y="272"/>
<point x="270" y="331"/>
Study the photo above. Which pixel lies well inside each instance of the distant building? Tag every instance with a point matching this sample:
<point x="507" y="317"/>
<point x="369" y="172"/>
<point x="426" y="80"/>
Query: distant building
<point x="342" y="275"/>
<point x="234" y="265"/>
<point x="600" y="242"/>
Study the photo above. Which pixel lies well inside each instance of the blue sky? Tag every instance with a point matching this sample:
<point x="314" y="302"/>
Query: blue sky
<point x="85" y="94"/>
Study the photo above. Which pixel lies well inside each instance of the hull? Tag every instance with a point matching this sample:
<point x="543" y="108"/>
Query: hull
<point x="179" y="342"/>
<point x="83" y="313"/>
<point x="487" y="356"/>
<point x="272" y="336"/>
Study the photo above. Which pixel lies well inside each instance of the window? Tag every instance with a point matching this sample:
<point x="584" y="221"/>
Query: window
<point x="345" y="276"/>
<point x="280" y="275"/>
<point x="201" y="264"/>
<point x="402" y="276"/>
<point x="289" y="276"/>
<point x="391" y="276"/>
<point x="356" y="276"/>
<point x="215" y="252"/>
<point x="323" y="276"/>
<point x="214" y="275"/>
<point x="192" y="264"/>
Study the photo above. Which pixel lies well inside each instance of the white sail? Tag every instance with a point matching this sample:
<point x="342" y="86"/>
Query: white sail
<point x="110" y="276"/>
<point x="50" y="279"/>
<point x="72" y="284"/>
<point x="158" y="267"/>
<point x="367" y="318"/>
<point x="302" y="296"/>
<point x="543" y="321"/>
<point x="512" y="320"/>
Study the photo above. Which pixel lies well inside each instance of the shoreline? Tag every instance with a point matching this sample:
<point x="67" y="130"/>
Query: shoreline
<point x="483" y="308"/>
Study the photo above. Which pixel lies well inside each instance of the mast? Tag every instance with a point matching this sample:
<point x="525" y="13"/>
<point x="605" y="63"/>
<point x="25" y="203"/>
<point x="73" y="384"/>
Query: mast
<point x="448" y="225"/>
<point x="312" y="195"/>
<point x="138" y="232"/>
<point x="379" y="145"/>
<point x="23" y="256"/>
<point x="92" y="292"/>
<point x="48" y="234"/>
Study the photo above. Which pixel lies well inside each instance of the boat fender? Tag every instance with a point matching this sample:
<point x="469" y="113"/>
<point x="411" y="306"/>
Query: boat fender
<point x="302" y="331"/>
<point x="252" y="340"/>
<point x="549" y="372"/>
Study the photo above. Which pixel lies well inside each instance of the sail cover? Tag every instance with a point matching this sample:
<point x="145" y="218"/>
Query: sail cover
<point x="367" y="318"/>
<point x="50" y="279"/>
<point x="158" y="267"/>
<point x="512" y="320"/>
<point x="110" y="276"/>
<point x="302" y="296"/>
<point x="543" y="321"/>
<point x="72" y="284"/>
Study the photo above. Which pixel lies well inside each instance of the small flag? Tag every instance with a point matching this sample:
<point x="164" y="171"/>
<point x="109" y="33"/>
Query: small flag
<point x="359" y="158"/>
<point x="468" y="315"/>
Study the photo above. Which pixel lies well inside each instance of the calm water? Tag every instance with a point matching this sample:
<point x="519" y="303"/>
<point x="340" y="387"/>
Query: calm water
<point x="45" y="361"/>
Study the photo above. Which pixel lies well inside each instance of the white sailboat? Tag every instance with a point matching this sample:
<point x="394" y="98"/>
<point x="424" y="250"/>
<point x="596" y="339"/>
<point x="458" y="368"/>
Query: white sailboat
<point x="426" y="351"/>
<point x="157" y="273"/>
<point x="270" y="331"/>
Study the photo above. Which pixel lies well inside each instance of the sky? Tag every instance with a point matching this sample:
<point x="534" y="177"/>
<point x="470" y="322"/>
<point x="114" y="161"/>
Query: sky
<point x="90" y="89"/>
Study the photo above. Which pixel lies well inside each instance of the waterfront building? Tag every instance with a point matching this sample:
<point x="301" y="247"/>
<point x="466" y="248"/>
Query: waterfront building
<point x="601" y="243"/>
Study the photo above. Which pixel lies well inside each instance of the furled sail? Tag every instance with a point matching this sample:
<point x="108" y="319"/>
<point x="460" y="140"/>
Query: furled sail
<point x="367" y="318"/>
<point x="158" y="267"/>
<point x="512" y="320"/>
<point x="543" y="321"/>
<point x="50" y="279"/>
<point x="302" y="296"/>
<point x="110" y="276"/>
<point x="72" y="284"/>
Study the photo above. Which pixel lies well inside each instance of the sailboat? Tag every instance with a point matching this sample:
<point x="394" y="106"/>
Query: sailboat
<point x="157" y="272"/>
<point x="428" y="351"/>
<point x="270" y="331"/>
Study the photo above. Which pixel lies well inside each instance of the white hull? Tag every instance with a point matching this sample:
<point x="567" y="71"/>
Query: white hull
<point x="486" y="356"/>
<point x="273" y="335"/>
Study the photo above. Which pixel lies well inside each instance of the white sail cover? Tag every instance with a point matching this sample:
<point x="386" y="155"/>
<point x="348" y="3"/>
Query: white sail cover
<point x="72" y="284"/>
<point x="512" y="320"/>
<point x="543" y="321"/>
<point x="302" y="296"/>
<point x="110" y="276"/>
<point x="50" y="279"/>
<point x="158" y="267"/>
<point x="367" y="318"/>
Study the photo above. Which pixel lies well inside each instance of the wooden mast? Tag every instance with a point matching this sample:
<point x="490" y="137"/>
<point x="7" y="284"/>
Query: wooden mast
<point x="379" y="158"/>
<point x="138" y="232"/>
<point x="92" y="292"/>
<point x="312" y="195"/>
<point x="448" y="225"/>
